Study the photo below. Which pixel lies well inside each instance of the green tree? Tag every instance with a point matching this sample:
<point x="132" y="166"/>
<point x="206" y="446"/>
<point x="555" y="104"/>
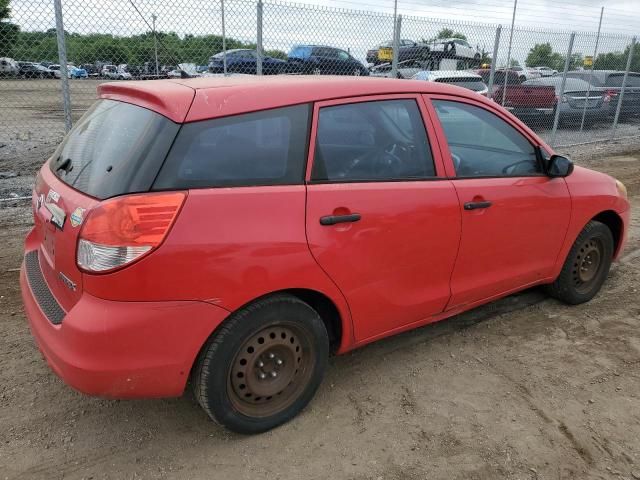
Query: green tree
<point x="542" y="55"/>
<point x="445" y="33"/>
<point x="8" y="31"/>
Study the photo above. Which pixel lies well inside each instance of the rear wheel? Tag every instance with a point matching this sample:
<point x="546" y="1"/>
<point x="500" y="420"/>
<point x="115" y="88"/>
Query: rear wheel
<point x="586" y="266"/>
<point x="263" y="366"/>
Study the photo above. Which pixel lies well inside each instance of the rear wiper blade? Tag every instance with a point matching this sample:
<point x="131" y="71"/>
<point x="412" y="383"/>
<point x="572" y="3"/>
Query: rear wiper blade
<point x="66" y="165"/>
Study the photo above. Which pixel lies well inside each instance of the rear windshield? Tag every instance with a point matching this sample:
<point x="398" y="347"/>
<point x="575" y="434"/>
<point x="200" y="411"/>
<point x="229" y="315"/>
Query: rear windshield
<point x="261" y="148"/>
<point x="617" y="79"/>
<point x="115" y="148"/>
<point x="300" y="52"/>
<point x="475" y="84"/>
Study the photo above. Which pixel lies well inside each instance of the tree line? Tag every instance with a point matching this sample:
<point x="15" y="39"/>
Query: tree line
<point x="542" y="54"/>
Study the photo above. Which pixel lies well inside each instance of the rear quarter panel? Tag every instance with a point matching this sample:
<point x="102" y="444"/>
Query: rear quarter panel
<point x="591" y="194"/>
<point x="228" y="247"/>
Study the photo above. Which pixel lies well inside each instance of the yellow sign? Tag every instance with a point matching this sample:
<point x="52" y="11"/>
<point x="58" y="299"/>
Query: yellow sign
<point x="385" y="54"/>
<point x="588" y="61"/>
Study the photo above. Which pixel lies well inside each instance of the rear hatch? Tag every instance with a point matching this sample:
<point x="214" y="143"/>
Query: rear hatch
<point x="114" y="149"/>
<point x="631" y="99"/>
<point x="592" y="99"/>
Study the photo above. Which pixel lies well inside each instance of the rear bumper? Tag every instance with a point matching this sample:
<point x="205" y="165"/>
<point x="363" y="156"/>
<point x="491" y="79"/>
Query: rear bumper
<point x="123" y="349"/>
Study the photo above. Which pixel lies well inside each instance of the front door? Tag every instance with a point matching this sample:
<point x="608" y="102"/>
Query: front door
<point x="514" y="217"/>
<point x="382" y="220"/>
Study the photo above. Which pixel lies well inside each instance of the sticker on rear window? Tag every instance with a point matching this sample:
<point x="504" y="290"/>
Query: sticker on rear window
<point x="76" y="217"/>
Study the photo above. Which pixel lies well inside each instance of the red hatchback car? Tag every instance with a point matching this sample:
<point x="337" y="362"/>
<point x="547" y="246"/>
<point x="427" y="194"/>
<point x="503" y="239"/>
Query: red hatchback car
<point x="235" y="231"/>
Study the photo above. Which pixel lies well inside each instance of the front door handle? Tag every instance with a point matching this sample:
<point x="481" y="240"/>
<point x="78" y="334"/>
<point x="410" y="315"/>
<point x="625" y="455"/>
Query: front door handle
<point x="333" y="219"/>
<point x="476" y="205"/>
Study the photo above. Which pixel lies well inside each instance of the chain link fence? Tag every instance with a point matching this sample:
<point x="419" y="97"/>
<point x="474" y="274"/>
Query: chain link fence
<point x="570" y="87"/>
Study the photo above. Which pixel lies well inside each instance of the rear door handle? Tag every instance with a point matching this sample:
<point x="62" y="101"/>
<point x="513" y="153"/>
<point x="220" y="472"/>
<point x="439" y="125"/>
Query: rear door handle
<point x="476" y="205"/>
<point x="333" y="219"/>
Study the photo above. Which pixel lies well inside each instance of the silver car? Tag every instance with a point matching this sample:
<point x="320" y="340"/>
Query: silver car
<point x="572" y="102"/>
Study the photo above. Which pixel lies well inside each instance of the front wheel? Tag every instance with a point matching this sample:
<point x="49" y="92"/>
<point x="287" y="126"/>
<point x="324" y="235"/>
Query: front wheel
<point x="263" y="366"/>
<point x="586" y="266"/>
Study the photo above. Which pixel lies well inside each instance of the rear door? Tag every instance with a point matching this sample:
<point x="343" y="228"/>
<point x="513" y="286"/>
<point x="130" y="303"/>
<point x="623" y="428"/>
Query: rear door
<point x="382" y="220"/>
<point x="514" y="217"/>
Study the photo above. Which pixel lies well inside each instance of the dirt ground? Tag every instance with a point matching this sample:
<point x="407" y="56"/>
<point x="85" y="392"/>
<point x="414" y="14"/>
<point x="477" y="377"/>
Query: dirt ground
<point x="524" y="388"/>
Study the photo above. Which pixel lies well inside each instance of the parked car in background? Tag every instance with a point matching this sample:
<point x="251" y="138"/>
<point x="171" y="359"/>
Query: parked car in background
<point x="8" y="67"/>
<point x="312" y="244"/>
<point x="455" y="47"/>
<point x="115" y="72"/>
<point x="244" y="60"/>
<point x="534" y="104"/>
<point x="406" y="69"/>
<point x="323" y="60"/>
<point x="77" y="72"/>
<point x="610" y="82"/>
<point x="526" y="73"/>
<point x="34" y="70"/>
<point x="55" y="68"/>
<point x="460" y="78"/>
<point x="91" y="69"/>
<point x="546" y="71"/>
<point x="576" y="96"/>
<point x="408" y="50"/>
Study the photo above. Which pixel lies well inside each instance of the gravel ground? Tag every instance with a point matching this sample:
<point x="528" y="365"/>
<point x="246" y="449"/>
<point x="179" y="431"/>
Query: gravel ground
<point x="523" y="388"/>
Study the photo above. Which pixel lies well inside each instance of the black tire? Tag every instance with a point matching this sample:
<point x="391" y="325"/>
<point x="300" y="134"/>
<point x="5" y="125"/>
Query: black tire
<point x="262" y="325"/>
<point x="586" y="267"/>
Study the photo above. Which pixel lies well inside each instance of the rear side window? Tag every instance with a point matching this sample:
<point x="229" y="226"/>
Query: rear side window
<point x="262" y="148"/>
<point x="371" y="141"/>
<point x="115" y="148"/>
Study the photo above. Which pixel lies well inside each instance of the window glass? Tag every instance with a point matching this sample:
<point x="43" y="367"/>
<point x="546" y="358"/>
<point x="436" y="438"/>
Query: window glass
<point x="484" y="145"/>
<point x="262" y="148"/>
<point x="372" y="141"/>
<point x="617" y="79"/>
<point x="343" y="55"/>
<point x="114" y="148"/>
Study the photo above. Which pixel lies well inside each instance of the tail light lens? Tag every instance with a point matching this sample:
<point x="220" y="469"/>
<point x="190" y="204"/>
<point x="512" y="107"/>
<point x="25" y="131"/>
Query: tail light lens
<point x="124" y="229"/>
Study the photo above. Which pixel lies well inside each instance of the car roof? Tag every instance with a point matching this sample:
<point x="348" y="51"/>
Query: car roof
<point x="193" y="99"/>
<point x="435" y="74"/>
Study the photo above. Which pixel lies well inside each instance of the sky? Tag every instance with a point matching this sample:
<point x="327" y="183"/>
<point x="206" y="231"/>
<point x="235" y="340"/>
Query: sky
<point x="356" y="25"/>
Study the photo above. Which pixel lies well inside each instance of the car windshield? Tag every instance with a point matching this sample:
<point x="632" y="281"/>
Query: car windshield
<point x="300" y="52"/>
<point x="470" y="83"/>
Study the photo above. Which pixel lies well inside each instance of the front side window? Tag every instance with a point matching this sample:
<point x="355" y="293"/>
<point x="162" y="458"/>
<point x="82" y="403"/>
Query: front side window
<point x="262" y="148"/>
<point x="484" y="145"/>
<point x="371" y="141"/>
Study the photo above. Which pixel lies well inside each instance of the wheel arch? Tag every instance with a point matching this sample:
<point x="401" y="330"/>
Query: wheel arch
<point x="614" y="222"/>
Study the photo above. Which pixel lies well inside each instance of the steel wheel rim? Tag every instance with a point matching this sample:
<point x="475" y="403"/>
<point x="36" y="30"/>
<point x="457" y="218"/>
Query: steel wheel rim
<point x="271" y="370"/>
<point x="588" y="264"/>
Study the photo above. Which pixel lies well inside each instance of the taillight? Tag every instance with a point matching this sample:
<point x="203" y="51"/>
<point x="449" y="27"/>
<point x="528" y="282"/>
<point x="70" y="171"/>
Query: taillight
<point x="121" y="230"/>
<point x="606" y="98"/>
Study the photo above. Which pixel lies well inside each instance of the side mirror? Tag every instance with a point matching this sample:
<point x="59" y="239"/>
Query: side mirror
<point x="559" y="166"/>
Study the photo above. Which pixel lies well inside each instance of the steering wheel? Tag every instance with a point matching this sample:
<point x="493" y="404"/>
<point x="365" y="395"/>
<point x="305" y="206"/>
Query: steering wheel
<point x="512" y="168"/>
<point x="388" y="160"/>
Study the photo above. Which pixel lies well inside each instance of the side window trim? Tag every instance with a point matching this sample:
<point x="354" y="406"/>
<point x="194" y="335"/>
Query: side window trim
<point x="436" y="153"/>
<point x="443" y="144"/>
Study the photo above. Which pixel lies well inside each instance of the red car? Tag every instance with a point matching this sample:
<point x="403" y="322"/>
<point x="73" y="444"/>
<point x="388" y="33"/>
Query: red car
<point x="233" y="232"/>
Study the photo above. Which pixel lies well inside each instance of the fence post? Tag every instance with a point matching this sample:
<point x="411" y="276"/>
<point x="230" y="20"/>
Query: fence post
<point x="396" y="47"/>
<point x="259" y="38"/>
<point x="567" y="62"/>
<point x="62" y="58"/>
<point x="595" y="57"/>
<point x="624" y="84"/>
<point x="494" y="59"/>
<point x="224" y="40"/>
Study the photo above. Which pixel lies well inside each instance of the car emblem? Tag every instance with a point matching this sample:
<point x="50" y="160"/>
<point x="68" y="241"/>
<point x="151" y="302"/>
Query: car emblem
<point x="57" y="214"/>
<point x="76" y="217"/>
<point x="67" y="281"/>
